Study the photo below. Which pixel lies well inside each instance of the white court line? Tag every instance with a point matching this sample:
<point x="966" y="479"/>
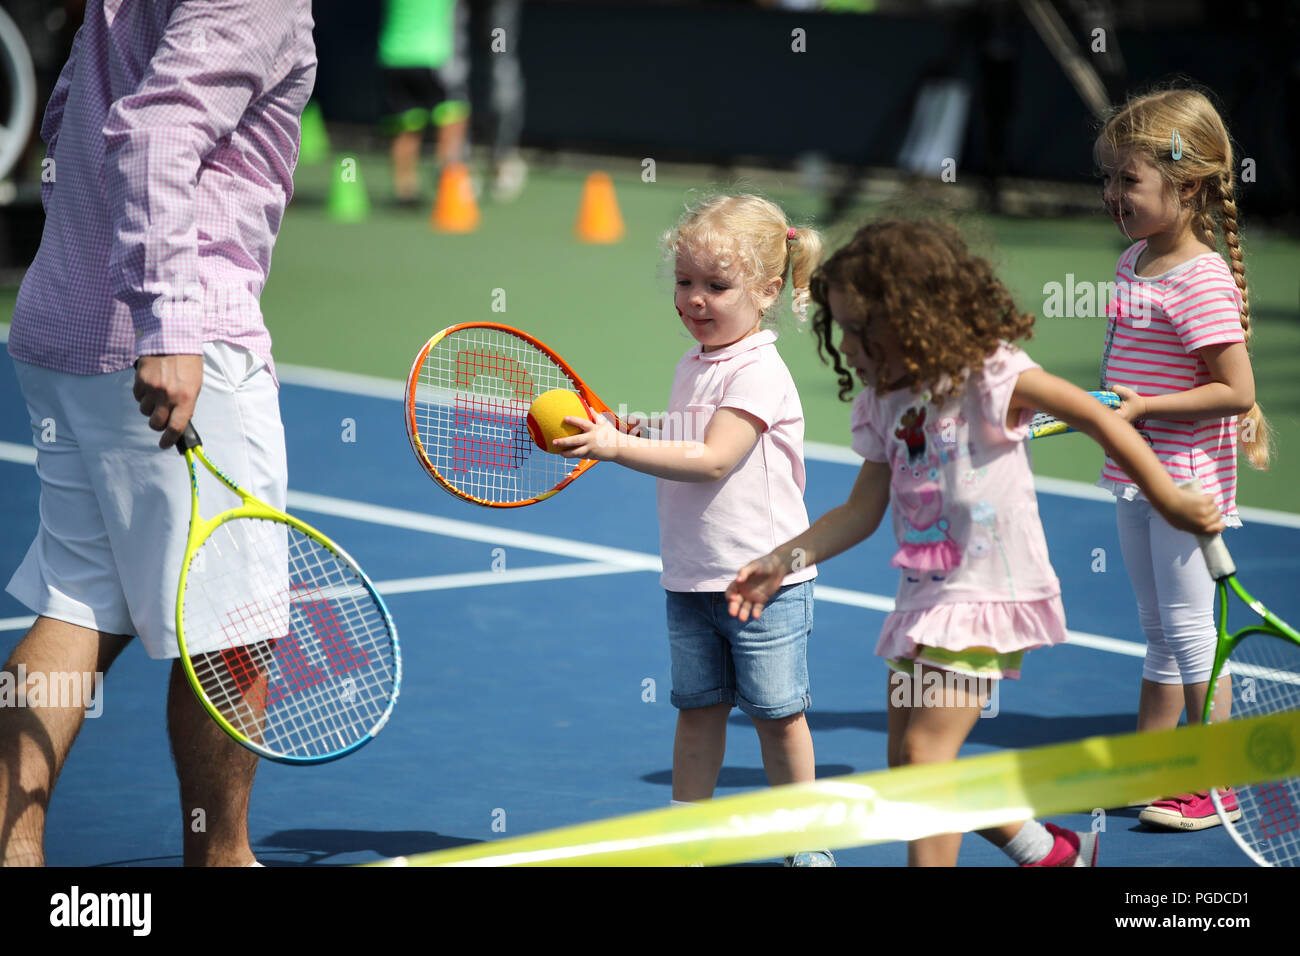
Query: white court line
<point x="1113" y="645"/>
<point x="347" y="382"/>
<point x="835" y="454"/>
<point x="873" y="602"/>
<point x="545" y="572"/>
<point x="468" y="531"/>
<point x="444" y="582"/>
<point x="18" y="454"/>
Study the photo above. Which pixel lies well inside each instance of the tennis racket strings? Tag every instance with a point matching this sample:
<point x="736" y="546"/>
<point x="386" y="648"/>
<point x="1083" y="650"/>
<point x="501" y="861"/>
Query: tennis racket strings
<point x="286" y="640"/>
<point x="470" y="411"/>
<point x="1265" y="673"/>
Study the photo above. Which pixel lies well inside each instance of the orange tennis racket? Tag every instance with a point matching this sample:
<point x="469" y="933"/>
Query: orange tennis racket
<point x="467" y="400"/>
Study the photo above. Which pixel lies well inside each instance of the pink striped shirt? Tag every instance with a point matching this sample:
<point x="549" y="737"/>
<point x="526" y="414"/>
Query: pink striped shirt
<point x="172" y="135"/>
<point x="1156" y="328"/>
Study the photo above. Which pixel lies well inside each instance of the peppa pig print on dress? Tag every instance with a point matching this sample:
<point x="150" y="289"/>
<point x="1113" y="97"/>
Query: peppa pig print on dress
<point x="925" y="544"/>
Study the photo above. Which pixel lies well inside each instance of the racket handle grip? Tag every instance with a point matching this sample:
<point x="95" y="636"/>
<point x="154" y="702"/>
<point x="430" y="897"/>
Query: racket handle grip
<point x="190" y="439"/>
<point x="1217" y="558"/>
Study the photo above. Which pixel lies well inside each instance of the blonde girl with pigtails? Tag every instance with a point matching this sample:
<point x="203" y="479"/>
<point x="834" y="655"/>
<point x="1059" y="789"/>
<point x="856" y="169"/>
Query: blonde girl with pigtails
<point x="728" y="456"/>
<point x="1176" y="353"/>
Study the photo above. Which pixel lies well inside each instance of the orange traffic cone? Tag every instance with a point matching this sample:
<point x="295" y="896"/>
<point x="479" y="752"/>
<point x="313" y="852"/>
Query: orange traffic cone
<point x="455" y="209"/>
<point x="598" y="217"/>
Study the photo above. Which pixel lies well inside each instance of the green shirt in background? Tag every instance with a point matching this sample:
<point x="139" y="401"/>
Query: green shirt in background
<point x="417" y="33"/>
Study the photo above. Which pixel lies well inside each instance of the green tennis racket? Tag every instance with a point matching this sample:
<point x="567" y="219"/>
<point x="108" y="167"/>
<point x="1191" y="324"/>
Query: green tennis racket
<point x="283" y="637"/>
<point x="1262" y="663"/>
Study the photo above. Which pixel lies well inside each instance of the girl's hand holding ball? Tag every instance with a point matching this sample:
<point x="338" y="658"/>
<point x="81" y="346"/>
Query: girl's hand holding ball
<point x="548" y="417"/>
<point x="598" y="440"/>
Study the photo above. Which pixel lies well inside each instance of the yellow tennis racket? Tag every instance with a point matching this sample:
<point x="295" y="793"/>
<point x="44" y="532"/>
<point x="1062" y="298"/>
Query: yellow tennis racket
<point x="283" y="637"/>
<point x="466" y="410"/>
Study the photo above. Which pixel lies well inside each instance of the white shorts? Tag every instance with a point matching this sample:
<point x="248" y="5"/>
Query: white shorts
<point x="115" y="508"/>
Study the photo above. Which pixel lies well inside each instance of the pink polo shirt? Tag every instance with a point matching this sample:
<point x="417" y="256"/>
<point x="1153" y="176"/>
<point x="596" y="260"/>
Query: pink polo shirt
<point x="709" y="530"/>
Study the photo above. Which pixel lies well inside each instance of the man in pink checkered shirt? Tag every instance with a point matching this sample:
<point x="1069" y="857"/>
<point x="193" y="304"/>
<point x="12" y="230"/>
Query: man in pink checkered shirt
<point x="172" y="135"/>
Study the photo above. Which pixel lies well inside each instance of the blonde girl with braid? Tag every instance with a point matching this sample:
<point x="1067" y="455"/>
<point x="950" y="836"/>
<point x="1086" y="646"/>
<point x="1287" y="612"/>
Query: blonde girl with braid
<point x="1176" y="353"/>
<point x="729" y="458"/>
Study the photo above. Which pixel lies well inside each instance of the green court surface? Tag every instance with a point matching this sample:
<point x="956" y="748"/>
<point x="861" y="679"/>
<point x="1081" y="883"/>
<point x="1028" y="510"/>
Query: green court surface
<point x="363" y="297"/>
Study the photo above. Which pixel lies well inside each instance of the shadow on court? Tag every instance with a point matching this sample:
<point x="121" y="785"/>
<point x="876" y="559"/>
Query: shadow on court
<point x="321" y="845"/>
<point x="1007" y="730"/>
<point x="747" y="778"/>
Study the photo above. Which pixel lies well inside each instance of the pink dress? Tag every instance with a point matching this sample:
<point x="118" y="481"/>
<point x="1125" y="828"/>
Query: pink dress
<point x="974" y="568"/>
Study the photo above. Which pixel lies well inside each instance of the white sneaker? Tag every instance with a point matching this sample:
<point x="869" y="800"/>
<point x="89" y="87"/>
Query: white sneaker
<point x="509" y="178"/>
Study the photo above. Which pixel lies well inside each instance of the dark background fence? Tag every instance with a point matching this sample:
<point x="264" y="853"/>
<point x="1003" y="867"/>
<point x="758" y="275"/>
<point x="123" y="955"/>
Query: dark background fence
<point x="721" y="83"/>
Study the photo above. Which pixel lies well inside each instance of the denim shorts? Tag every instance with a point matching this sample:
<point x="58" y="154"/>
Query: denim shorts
<point x="760" y="666"/>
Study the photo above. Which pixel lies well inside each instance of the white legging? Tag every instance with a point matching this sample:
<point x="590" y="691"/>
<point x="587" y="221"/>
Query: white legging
<point x="1175" y="595"/>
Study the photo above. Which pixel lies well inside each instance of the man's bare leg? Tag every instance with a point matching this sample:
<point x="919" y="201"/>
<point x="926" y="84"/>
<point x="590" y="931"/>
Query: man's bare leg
<point x="405" y="152"/>
<point x="216" y="777"/>
<point x="34" y="741"/>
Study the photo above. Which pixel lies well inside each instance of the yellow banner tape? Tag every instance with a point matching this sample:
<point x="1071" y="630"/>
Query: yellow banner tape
<point x="912" y="802"/>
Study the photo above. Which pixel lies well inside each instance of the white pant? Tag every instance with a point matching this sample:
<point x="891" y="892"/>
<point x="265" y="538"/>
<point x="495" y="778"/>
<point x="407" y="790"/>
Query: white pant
<point x="115" y="508"/>
<point x="1175" y="595"/>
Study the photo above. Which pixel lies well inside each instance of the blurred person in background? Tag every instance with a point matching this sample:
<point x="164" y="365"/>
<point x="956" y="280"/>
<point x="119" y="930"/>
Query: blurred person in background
<point x="509" y="171"/>
<point x="422" y="54"/>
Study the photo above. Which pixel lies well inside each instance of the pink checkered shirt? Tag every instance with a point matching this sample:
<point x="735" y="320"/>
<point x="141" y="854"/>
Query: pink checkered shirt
<point x="173" y="134"/>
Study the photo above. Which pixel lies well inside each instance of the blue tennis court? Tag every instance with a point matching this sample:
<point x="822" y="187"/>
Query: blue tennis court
<point x="536" y="669"/>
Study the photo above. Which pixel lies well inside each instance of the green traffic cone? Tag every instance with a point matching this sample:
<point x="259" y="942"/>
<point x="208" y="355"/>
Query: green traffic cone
<point x="347" y="200"/>
<point x="314" y="142"/>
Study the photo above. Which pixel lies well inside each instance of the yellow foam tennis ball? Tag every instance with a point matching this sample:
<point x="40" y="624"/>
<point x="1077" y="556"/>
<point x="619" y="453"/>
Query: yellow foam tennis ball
<point x="546" y="416"/>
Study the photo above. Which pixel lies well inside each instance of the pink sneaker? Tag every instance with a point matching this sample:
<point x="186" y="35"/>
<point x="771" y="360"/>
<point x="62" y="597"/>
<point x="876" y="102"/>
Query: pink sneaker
<point x="1190" y="811"/>
<point x="1069" y="848"/>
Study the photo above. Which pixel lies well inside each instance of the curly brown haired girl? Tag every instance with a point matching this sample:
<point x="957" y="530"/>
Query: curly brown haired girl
<point x="940" y="310"/>
<point x="1176" y="353"/>
<point x="928" y="327"/>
